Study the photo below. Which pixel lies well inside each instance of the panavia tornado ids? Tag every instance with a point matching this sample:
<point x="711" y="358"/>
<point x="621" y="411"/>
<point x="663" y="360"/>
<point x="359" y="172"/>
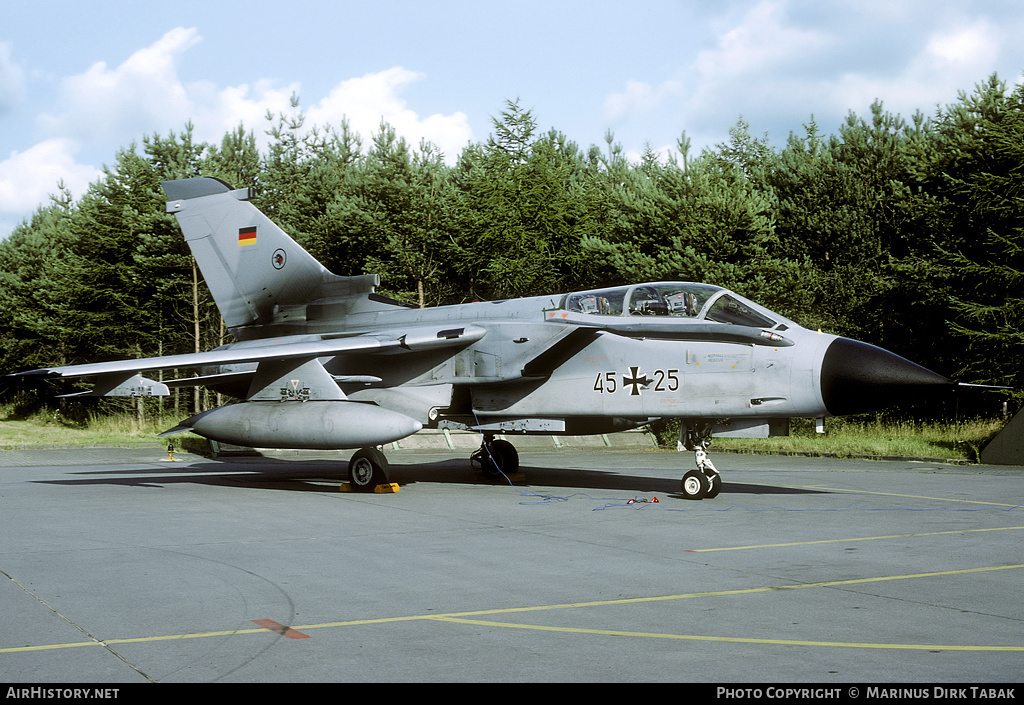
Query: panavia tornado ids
<point x="323" y="362"/>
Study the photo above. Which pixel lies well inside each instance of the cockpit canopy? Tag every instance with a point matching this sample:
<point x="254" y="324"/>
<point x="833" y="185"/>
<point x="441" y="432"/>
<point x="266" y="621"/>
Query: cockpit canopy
<point x="673" y="299"/>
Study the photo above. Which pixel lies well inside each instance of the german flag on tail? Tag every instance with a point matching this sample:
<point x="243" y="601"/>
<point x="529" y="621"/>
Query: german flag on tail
<point x="247" y="236"/>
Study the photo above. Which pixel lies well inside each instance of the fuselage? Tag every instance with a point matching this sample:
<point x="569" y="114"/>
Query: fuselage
<point x="619" y="356"/>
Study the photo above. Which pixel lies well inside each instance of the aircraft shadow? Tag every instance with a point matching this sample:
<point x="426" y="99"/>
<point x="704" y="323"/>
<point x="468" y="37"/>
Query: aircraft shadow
<point x="320" y="475"/>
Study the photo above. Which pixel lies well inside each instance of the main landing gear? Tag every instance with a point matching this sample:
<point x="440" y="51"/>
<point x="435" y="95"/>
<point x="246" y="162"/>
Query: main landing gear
<point x="705" y="482"/>
<point x="496" y="457"/>
<point x="367" y="469"/>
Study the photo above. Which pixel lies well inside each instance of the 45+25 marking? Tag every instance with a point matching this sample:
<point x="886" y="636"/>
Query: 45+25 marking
<point x="663" y="381"/>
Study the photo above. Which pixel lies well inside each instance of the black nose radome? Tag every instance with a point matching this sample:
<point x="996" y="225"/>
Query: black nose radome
<point x="858" y="378"/>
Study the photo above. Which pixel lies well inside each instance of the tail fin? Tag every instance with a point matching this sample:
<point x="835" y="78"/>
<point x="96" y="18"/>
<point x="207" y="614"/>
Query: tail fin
<point x="253" y="268"/>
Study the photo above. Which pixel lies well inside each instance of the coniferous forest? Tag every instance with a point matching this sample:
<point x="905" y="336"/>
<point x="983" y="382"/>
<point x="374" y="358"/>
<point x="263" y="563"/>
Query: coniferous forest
<point x="905" y="232"/>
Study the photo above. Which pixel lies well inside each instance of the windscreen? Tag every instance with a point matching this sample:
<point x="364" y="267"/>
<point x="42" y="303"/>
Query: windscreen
<point x="729" y="310"/>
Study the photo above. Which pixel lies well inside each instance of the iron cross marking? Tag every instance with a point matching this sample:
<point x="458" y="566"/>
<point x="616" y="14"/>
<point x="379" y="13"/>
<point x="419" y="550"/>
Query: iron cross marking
<point x="634" y="381"/>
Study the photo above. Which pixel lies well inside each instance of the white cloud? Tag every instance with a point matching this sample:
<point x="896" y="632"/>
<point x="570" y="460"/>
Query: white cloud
<point x="777" y="63"/>
<point x="751" y="59"/>
<point x="639" y="97"/>
<point x="100" y="107"/>
<point x="144" y="94"/>
<point x="961" y="56"/>
<point x="374" y="98"/>
<point x="27" y="178"/>
<point x="761" y="44"/>
<point x="108" y="108"/>
<point x="972" y="46"/>
<point x="216" y="112"/>
<point x="948" y="60"/>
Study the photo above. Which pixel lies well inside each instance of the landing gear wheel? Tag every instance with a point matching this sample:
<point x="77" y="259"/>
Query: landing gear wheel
<point x="704" y="482"/>
<point x="506" y="456"/>
<point x="695" y="485"/>
<point x="367" y="469"/>
<point x="496" y="457"/>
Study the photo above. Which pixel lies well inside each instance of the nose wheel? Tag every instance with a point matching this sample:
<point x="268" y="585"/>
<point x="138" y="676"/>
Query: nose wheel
<point x="704" y="482"/>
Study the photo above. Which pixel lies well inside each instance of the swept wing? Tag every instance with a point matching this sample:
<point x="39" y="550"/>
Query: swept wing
<point x="118" y="372"/>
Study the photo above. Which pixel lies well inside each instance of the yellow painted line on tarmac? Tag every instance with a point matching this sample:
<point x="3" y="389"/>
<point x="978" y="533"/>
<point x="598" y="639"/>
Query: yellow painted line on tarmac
<point x="908" y="496"/>
<point x="47" y="647"/>
<point x="860" y="538"/>
<point x="133" y="640"/>
<point x="728" y="639"/>
<point x="465" y="617"/>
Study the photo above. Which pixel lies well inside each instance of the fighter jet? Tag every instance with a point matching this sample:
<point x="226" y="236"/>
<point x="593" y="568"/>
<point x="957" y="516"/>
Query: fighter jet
<point x="323" y="362"/>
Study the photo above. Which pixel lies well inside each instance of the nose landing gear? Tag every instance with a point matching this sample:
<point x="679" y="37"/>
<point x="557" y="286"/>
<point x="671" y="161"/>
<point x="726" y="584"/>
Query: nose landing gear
<point x="705" y="482"/>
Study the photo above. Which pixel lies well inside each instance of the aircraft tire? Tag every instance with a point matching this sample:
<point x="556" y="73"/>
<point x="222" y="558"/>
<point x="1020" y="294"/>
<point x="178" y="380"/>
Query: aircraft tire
<point x="367" y="469"/>
<point x="500" y="458"/>
<point x="509" y="456"/>
<point x="695" y="485"/>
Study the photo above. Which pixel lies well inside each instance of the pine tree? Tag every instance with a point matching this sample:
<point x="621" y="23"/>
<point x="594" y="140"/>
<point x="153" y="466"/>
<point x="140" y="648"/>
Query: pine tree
<point x="982" y="255"/>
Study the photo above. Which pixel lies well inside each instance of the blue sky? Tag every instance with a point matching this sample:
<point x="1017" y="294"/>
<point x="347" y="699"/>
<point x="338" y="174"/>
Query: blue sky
<point x="79" y="80"/>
